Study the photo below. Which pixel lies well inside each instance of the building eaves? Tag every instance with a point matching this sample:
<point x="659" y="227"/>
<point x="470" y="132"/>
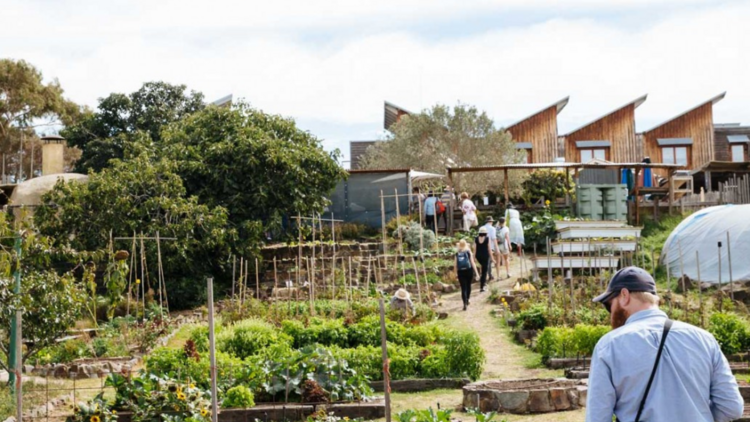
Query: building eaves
<point x="636" y="103"/>
<point x="559" y="105"/>
<point x="713" y="100"/>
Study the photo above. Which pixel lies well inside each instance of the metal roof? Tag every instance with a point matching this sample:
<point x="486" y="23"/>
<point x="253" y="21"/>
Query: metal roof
<point x="665" y="142"/>
<point x="637" y="102"/>
<point x="523" y="145"/>
<point x="558" y="104"/>
<point x="562" y="165"/>
<point x="737" y="139"/>
<point x="593" y="144"/>
<point x="713" y="100"/>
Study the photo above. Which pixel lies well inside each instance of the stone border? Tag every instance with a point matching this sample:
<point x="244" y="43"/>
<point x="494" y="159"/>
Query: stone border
<point x="293" y="412"/>
<point x="568" y="395"/>
<point x="418" y="385"/>
<point x="563" y="363"/>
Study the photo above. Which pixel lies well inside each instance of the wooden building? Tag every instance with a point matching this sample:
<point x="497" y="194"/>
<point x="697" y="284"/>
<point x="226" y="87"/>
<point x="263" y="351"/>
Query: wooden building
<point x="611" y="137"/>
<point x="731" y="142"/>
<point x="537" y="133"/>
<point x="392" y="114"/>
<point x="686" y="139"/>
<point x="357" y="149"/>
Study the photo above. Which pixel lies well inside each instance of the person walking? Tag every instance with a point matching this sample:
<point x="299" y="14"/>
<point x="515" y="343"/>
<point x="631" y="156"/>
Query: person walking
<point x="465" y="268"/>
<point x="469" y="211"/>
<point x="513" y="217"/>
<point x="492" y="235"/>
<point x="448" y="200"/>
<point x="503" y="246"/>
<point x="417" y="197"/>
<point x="650" y="368"/>
<point x="430" y="211"/>
<point x="482" y="252"/>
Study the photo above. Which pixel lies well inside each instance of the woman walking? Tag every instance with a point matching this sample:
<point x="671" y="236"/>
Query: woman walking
<point x="483" y="252"/>
<point x="466" y="269"/>
<point x="469" y="210"/>
<point x="513" y="217"/>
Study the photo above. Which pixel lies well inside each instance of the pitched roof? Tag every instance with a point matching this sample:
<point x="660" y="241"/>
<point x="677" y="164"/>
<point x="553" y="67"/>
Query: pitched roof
<point x="392" y="113"/>
<point x="559" y="105"/>
<point x="637" y="102"/>
<point x="713" y="100"/>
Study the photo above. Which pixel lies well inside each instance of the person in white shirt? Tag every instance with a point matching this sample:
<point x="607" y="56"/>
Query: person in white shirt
<point x="503" y="245"/>
<point x="492" y="235"/>
<point x="469" y="210"/>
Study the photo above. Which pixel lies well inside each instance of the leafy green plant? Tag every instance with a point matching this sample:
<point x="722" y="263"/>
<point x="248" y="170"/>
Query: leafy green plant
<point x="730" y="331"/>
<point x="464" y="354"/>
<point x="533" y="318"/>
<point x="95" y="410"/>
<point x="482" y="416"/>
<point x="238" y="397"/>
<point x="411" y="233"/>
<point x="548" y="184"/>
<point x="248" y="337"/>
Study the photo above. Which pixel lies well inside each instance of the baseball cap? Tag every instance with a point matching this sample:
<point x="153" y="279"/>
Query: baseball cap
<point x="632" y="278"/>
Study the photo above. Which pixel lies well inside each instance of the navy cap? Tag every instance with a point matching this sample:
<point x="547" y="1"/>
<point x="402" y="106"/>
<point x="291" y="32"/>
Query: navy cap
<point x="632" y="278"/>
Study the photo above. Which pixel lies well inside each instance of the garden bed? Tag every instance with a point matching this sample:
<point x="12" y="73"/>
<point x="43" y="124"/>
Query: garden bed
<point x="526" y="395"/>
<point x="419" y="385"/>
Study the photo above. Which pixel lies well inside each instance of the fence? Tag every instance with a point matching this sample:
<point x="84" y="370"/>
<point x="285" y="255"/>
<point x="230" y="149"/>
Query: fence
<point x="736" y="191"/>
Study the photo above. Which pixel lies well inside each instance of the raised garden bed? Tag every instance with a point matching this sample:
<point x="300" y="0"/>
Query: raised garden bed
<point x="562" y="363"/>
<point x="523" y="396"/>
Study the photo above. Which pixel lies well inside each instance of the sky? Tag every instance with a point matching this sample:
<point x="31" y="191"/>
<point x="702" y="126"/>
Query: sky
<point x="330" y="65"/>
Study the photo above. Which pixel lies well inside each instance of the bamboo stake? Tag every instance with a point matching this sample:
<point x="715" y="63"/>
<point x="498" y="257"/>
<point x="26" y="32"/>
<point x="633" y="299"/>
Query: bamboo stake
<point x="309" y="287"/>
<point x="416" y="275"/>
<point x="275" y="278"/>
<point x="234" y="273"/>
<point x="669" y="280"/>
<point x="382" y="220"/>
<point x="398" y="226"/>
<point x="729" y="257"/>
<point x="682" y="276"/>
<point x="550" y="281"/>
<point x="239" y="282"/>
<point x="351" y="281"/>
<point x="369" y="264"/>
<point x="700" y="288"/>
<point x="133" y="273"/>
<point x="143" y="277"/>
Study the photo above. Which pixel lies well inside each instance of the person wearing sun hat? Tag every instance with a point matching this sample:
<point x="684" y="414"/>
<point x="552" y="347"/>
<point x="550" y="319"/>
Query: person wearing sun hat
<point x="402" y="300"/>
<point x="650" y="368"/>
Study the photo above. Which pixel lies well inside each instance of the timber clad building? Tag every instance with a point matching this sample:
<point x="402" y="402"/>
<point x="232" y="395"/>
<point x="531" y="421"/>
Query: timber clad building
<point x="691" y="138"/>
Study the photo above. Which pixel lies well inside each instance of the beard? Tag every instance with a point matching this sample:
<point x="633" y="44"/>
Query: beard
<point x="618" y="318"/>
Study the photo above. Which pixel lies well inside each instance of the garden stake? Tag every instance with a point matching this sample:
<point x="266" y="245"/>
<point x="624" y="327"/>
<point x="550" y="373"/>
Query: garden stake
<point x="669" y="281"/>
<point x="653" y="262"/>
<point x="550" y="282"/>
<point x="721" y="299"/>
<point x="212" y="349"/>
<point x="367" y="281"/>
<point x="275" y="277"/>
<point x="234" y="269"/>
<point x="682" y="276"/>
<point x="403" y="271"/>
<point x="398" y="226"/>
<point x="309" y="287"/>
<point x="311" y="277"/>
<point x="239" y="282"/>
<point x="386" y="369"/>
<point x="416" y="275"/>
<point x="143" y="278"/>
<point x="729" y="257"/>
<point x="382" y="220"/>
<point x="351" y="283"/>
<point x="132" y="273"/>
<point x="421" y="230"/>
<point x="700" y="288"/>
<point x="257" y="280"/>
<point x="424" y="277"/>
<point x="159" y="274"/>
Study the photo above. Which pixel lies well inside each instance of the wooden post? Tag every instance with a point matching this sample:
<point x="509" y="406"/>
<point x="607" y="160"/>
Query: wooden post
<point x="506" y="183"/>
<point x="257" y="280"/>
<point x="700" y="288"/>
<point x="18" y="365"/>
<point x="309" y="287"/>
<point x="421" y="231"/>
<point x="729" y="257"/>
<point x="636" y="197"/>
<point x="312" y="264"/>
<point x="398" y="226"/>
<point x="416" y="275"/>
<point x="275" y="278"/>
<point x="550" y="281"/>
<point x="333" y="258"/>
<point x="212" y="350"/>
<point x="386" y="368"/>
<point x="367" y="281"/>
<point x="669" y="280"/>
<point x="382" y="221"/>
<point x="670" y="183"/>
<point x="234" y="274"/>
<point x="351" y="282"/>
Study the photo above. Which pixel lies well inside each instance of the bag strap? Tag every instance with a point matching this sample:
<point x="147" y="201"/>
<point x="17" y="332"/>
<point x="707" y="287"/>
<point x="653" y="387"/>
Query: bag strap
<point x="667" y="327"/>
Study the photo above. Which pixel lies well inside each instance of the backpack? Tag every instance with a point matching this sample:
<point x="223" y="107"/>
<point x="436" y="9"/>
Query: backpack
<point x="463" y="261"/>
<point x="439" y="207"/>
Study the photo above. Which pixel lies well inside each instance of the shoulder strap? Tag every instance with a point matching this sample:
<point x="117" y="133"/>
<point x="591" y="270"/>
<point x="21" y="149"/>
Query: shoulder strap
<point x="667" y="327"/>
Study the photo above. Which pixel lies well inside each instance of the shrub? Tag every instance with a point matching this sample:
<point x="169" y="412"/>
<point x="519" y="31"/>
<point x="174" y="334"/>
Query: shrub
<point x="239" y="397"/>
<point x="533" y="318"/>
<point x="565" y="341"/>
<point x="464" y="354"/>
<point x="319" y="331"/>
<point x="730" y="331"/>
<point x="250" y="336"/>
<point x="411" y="232"/>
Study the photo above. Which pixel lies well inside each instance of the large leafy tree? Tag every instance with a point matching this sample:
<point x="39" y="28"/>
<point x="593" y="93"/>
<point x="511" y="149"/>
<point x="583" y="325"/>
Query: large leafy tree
<point x="142" y="194"/>
<point x="50" y="303"/>
<point x="259" y="167"/>
<point x="27" y="103"/>
<point x="105" y="133"/>
<point x="441" y="137"/>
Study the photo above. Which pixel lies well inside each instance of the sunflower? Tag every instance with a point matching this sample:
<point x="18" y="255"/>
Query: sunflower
<point x="181" y="396"/>
<point x="95" y="419"/>
<point x="192" y="385"/>
<point x="172" y="388"/>
<point x="204" y="412"/>
<point x="114" y="412"/>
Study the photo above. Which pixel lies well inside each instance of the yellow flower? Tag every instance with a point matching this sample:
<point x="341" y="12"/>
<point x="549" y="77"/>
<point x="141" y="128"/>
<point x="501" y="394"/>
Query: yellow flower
<point x="346" y="418"/>
<point x="547" y="202"/>
<point x="137" y="281"/>
<point x="181" y="396"/>
<point x="204" y="412"/>
<point x="95" y="419"/>
<point x="192" y="385"/>
<point x="114" y="412"/>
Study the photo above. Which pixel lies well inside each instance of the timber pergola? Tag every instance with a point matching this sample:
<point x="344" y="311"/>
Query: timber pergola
<point x="637" y="190"/>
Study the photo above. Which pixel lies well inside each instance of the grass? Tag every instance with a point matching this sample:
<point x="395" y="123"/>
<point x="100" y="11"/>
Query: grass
<point x="7" y="405"/>
<point x="181" y="336"/>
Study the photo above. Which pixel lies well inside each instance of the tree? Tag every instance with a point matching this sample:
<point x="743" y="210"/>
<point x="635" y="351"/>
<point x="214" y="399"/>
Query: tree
<point x="50" y="303"/>
<point x="26" y="102"/>
<point x="104" y="134"/>
<point x="443" y="137"/>
<point x="142" y="194"/>
<point x="259" y="167"/>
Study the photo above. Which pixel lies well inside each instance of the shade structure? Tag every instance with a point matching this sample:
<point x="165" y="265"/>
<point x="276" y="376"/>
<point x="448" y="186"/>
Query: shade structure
<point x="702" y="232"/>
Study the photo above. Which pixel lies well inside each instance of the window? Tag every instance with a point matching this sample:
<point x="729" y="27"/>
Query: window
<point x="675" y="155"/>
<point x="589" y="154"/>
<point x="527" y="157"/>
<point x="738" y="153"/>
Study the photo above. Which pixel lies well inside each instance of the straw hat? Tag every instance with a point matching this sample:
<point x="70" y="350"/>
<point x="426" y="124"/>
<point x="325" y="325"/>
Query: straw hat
<point x="402" y="294"/>
<point x="483" y="230"/>
<point x="463" y="245"/>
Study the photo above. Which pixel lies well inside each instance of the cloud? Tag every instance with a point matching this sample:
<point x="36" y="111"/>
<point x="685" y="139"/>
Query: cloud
<point x="331" y="64"/>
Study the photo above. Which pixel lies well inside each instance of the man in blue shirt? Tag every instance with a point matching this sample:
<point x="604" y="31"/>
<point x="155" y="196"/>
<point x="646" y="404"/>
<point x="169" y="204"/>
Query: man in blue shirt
<point x="693" y="381"/>
<point x="430" y="211"/>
